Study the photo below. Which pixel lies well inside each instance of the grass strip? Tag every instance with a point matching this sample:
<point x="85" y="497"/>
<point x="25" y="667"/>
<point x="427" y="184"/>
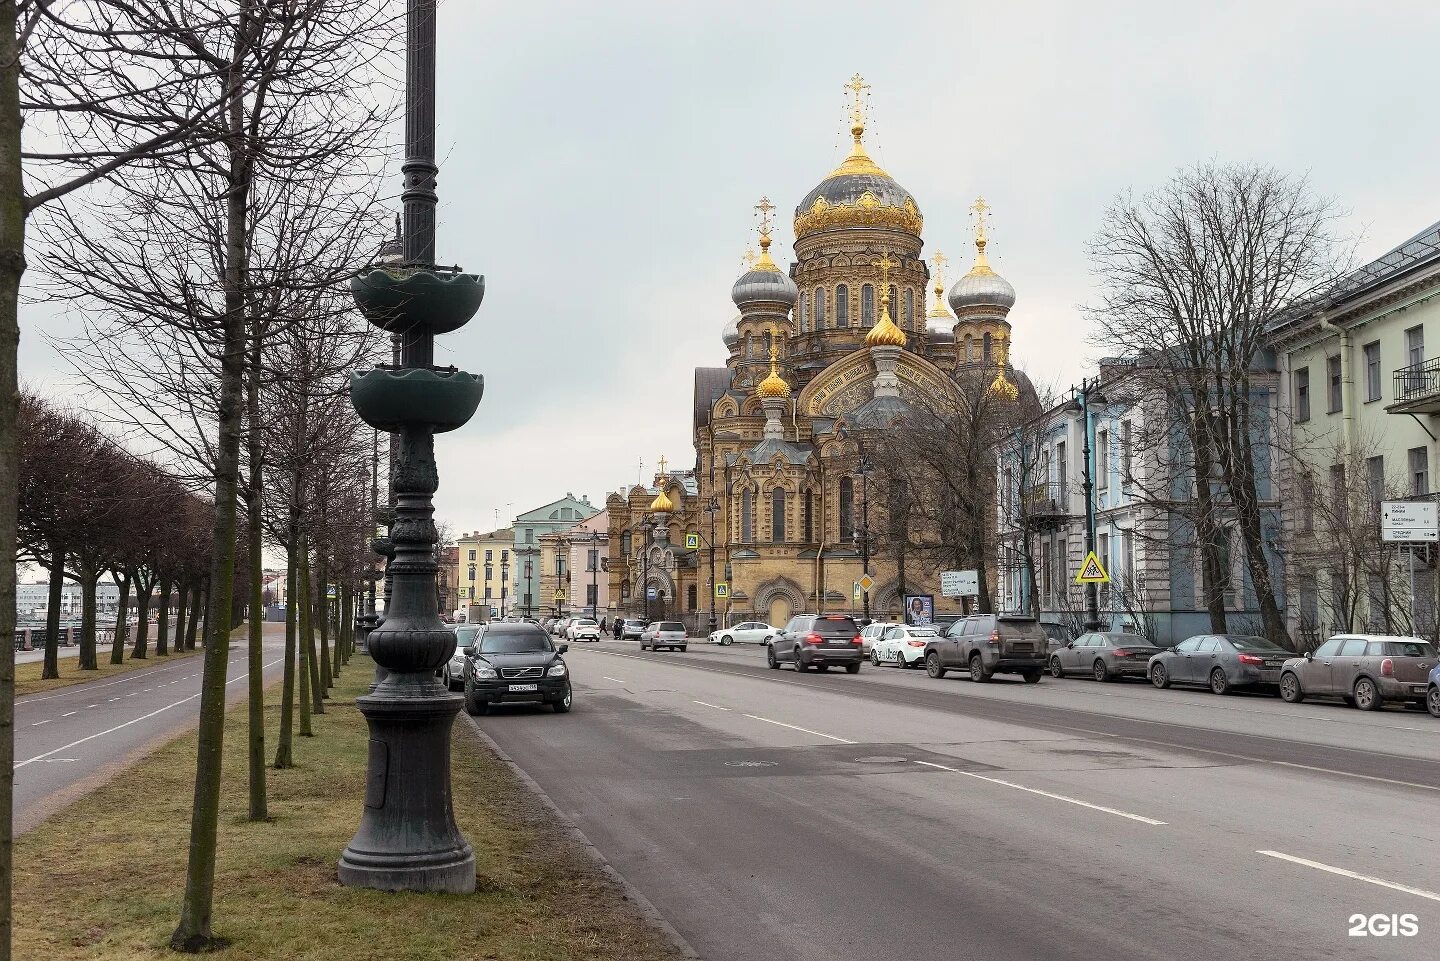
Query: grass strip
<point x="103" y="878"/>
<point x="27" y="675"/>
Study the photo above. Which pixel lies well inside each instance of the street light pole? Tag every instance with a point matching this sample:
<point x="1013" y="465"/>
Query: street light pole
<point x="645" y="529"/>
<point x="1092" y="591"/>
<point x="712" y="509"/>
<point x="865" y="523"/>
<point x="504" y="585"/>
<point x="594" y="574"/>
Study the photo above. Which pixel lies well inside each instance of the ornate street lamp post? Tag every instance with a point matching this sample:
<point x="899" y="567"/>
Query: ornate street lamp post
<point x="712" y="509"/>
<point x="646" y="528"/>
<point x="504" y="583"/>
<point x="594" y="574"/>
<point x="407" y="838"/>
<point x="1090" y="394"/>
<point x="864" y="471"/>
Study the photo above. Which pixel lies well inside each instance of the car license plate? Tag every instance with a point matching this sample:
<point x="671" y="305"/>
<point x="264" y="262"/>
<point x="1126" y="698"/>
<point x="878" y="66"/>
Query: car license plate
<point x="1417" y="688"/>
<point x="518" y="688"/>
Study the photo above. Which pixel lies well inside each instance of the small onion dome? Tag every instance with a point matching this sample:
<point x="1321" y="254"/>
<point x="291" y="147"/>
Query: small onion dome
<point x="885" y="333"/>
<point x="774" y="385"/>
<point x="731" y="334"/>
<point x="661" y="503"/>
<point x="981" y="287"/>
<point x="764" y="282"/>
<point x="940" y="331"/>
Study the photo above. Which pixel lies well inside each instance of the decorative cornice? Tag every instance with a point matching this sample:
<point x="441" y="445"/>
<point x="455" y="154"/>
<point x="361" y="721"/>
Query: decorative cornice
<point x="868" y="211"/>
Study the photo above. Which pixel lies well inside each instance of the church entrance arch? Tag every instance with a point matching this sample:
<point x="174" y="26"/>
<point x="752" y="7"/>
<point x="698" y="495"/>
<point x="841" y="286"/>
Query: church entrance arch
<point x="778" y="600"/>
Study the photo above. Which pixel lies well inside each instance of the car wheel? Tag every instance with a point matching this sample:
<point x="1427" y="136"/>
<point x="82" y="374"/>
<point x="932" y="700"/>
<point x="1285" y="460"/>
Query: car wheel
<point x="1367" y="696"/>
<point x="726" y="641"/>
<point x="473" y="705"/>
<point x="852" y="668"/>
<point x="1290" y="691"/>
<point x="642" y="645"/>
<point x="874" y="658"/>
<point x="1219" y="683"/>
<point x="932" y="665"/>
<point x="900" y="660"/>
<point x="1101" y="672"/>
<point x="770" y="661"/>
<point x="1159" y="676"/>
<point x="682" y="648"/>
<point x="1432" y="700"/>
<point x="800" y="665"/>
<point x="1031" y="677"/>
<point x="1055" y="669"/>
<point x="977" y="670"/>
<point x="562" y="706"/>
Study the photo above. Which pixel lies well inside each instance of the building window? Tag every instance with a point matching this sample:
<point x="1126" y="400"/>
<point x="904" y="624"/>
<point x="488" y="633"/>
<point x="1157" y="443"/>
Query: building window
<point x="1102" y="460"/>
<point x="1337" y="492"/>
<point x="625" y="544"/>
<point x="819" y="308"/>
<point x="1302" y="394"/>
<point x="1102" y="549"/>
<point x="1419" y="471"/>
<point x="504" y="557"/>
<point x="489" y="572"/>
<point x="529" y="535"/>
<point x="1062" y="470"/>
<point x="847" y="510"/>
<point x="592" y="559"/>
<point x="529" y="571"/>
<point x="528" y="605"/>
<point x="747" y="506"/>
<point x="472" y="555"/>
<point x="691" y="597"/>
<point x="559" y="565"/>
<point x="592" y="595"/>
<point x="1375" y="479"/>
<point x="1127" y="561"/>
<point x="471" y="576"/>
<point x="1307" y="501"/>
<point x="488" y="589"/>
<point x="985" y="347"/>
<point x="842" y="306"/>
<point x="867" y="305"/>
<point x="969" y="353"/>
<point x="909" y="308"/>
<point x="1332" y="374"/>
<point x="809" y="517"/>
<point x="777" y="516"/>
<point x="803" y="313"/>
<point x="1372" y="371"/>
<point x="1127" y="454"/>
<point x="1415" y="346"/>
<point x="894" y="302"/>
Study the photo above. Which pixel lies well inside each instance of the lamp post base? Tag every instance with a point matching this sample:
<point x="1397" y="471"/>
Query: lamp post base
<point x="408" y="839"/>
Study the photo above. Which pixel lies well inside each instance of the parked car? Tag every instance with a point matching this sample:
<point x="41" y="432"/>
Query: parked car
<point x="516" y="664"/>
<point x="1366" y="670"/>
<point x="560" y="626"/>
<point x="989" y="644"/>
<point x="1432" y="691"/>
<point x="1104" y="655"/>
<point x="871" y="633"/>
<point x="453" y="673"/>
<point x="549" y="624"/>
<point x="820" y="641"/>
<point x="902" y="645"/>
<point x="1222" y="662"/>
<point x="1059" y="635"/>
<point x="632" y="627"/>
<point x="746" y="632"/>
<point x="583" y="629"/>
<point x="667" y="634"/>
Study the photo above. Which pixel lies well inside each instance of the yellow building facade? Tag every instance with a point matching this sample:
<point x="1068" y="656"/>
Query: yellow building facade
<point x="483" y="565"/>
<point x="820" y="357"/>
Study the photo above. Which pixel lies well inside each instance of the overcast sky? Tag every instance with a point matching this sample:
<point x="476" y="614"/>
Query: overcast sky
<point x="600" y="162"/>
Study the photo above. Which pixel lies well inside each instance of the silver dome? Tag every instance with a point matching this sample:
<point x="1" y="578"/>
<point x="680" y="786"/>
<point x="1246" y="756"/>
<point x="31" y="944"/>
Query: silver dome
<point x="764" y="286"/>
<point x="731" y="335"/>
<point x="981" y="287"/>
<point x="940" y="330"/>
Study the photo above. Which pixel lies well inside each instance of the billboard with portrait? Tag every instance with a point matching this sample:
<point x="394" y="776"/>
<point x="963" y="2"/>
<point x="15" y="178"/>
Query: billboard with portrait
<point x="919" y="609"/>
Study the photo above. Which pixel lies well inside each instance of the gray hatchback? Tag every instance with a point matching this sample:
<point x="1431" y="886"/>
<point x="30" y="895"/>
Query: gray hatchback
<point x="1366" y="670"/>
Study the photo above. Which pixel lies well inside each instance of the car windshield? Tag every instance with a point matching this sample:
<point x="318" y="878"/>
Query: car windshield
<point x="1407" y="649"/>
<point x="515" y="642"/>
<point x="466" y="635"/>
<point x="923" y="632"/>
<point x="1243" y="642"/>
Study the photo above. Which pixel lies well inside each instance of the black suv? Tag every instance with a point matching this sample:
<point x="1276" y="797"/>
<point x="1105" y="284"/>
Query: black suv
<point x="819" y="641"/>
<point x="990" y="644"/>
<point x="516" y="664"/>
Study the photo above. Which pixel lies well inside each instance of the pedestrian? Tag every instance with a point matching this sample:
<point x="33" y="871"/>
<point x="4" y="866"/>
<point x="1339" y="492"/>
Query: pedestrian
<point x="619" y="627"/>
<point x="602" y="623"/>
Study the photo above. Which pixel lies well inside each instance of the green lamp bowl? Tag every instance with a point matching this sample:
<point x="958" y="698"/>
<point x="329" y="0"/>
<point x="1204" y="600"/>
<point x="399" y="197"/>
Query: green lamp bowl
<point x="391" y="400"/>
<point x="399" y="301"/>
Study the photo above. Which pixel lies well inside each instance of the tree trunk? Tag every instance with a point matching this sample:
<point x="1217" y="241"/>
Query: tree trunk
<point x="88" y="578"/>
<point x="12" y="266"/>
<point x="1246" y="498"/>
<point x="347" y="621"/>
<point x="302" y="605"/>
<point x="52" y="613"/>
<point x="255" y="689"/>
<point x="199" y="602"/>
<point x="1206" y="529"/>
<point x="142" y="621"/>
<point x="181" y="603"/>
<point x="162" y="628"/>
<point x="322" y="601"/>
<point x="122" y="614"/>
<point x="284" y="756"/>
<point x="307" y="638"/>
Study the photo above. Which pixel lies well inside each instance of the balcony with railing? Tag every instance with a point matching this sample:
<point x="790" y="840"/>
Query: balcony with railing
<point x="1417" y="389"/>
<point x="1045" y="504"/>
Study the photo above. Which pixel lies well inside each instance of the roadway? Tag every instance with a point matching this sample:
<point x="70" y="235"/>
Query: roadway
<point x="823" y="817"/>
<point x="69" y="740"/>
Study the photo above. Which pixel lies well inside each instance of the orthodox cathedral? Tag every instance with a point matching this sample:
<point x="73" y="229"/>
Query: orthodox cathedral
<point x="819" y="356"/>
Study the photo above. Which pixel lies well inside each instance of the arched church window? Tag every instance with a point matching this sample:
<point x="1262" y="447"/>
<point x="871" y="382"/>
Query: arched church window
<point x="804" y="312"/>
<point x="842" y="306"/>
<point x="819" y="309"/>
<point x="809" y="519"/>
<point x="847" y="510"/>
<point x="969" y="347"/>
<point x="767" y="345"/>
<point x="747" y="505"/>
<point x="909" y="308"/>
<point x="867" y="306"/>
<point x="894" y="302"/>
<point x="777" y="516"/>
<point x="986" y="356"/>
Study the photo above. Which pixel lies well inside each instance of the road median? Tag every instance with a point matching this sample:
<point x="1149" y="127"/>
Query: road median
<point x="103" y="878"/>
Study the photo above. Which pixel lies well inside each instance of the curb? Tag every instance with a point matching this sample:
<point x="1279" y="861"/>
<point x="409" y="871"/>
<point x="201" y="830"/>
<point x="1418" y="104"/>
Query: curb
<point x="651" y="913"/>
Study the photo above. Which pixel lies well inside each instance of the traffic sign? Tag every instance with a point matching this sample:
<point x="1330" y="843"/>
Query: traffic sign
<point x="692" y="542"/>
<point x="866" y="582"/>
<point x="1409" y="521"/>
<point x="722" y="589"/>
<point x="959" y="583"/>
<point x="1092" y="571"/>
<point x="857" y="590"/>
<point x="651" y="593"/>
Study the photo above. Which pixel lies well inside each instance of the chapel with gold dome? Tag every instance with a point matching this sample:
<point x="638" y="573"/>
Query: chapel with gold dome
<point x="820" y="357"/>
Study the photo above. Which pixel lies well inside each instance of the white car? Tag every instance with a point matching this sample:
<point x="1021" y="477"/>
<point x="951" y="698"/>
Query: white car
<point x="871" y="633"/>
<point x="582" y="629"/>
<point x="746" y="632"/>
<point x="902" y="645"/>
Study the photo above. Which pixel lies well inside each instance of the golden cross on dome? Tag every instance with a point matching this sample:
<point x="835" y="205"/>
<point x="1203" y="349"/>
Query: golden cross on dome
<point x="774" y="347"/>
<point x="764" y="209"/>
<point x="750" y="258"/>
<point x="884" y="263"/>
<point x="939" y="260"/>
<point x="857" y="86"/>
<point x="663" y="462"/>
<point x="980" y="207"/>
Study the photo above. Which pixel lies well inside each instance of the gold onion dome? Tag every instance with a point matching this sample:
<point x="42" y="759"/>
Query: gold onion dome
<point x="885" y="333"/>
<point x="981" y="287"/>
<point x="661" y="503"/>
<point x="858" y="193"/>
<point x="774" y="385"/>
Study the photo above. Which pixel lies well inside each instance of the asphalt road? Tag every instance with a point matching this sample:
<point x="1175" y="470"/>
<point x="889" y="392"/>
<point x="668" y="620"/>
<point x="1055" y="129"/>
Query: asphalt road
<point x="771" y="815"/>
<point x="68" y="740"/>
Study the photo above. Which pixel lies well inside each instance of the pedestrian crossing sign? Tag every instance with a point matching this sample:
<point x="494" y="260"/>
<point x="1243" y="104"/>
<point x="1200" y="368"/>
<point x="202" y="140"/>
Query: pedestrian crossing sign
<point x="692" y="542"/>
<point x="722" y="589"/>
<point x="1092" y="571"/>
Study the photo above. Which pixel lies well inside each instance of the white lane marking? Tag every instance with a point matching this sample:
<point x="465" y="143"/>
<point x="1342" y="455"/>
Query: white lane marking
<point x="143" y="717"/>
<point x="59" y="760"/>
<point x="1363" y="777"/>
<point x="132" y="693"/>
<point x="68" y="713"/>
<point x="803" y="730"/>
<point x="92" y="705"/>
<point x="609" y="678"/>
<point x="46" y="721"/>
<point x="1405" y="888"/>
<point x="715" y="706"/>
<point x="112" y="699"/>
<point x="1049" y="794"/>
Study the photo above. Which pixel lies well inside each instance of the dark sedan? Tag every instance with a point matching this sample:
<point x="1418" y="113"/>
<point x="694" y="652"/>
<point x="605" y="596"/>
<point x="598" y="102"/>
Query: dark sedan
<point x="516" y="664"/>
<point x="1221" y="662"/>
<point x="1104" y="655"/>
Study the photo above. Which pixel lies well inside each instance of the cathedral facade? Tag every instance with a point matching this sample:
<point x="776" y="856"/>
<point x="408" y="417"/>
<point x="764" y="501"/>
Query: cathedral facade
<point x="820" y="357"/>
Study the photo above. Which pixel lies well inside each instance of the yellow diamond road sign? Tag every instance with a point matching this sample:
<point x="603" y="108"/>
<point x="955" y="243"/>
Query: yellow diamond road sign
<point x="1092" y="571"/>
<point x="866" y="582"/>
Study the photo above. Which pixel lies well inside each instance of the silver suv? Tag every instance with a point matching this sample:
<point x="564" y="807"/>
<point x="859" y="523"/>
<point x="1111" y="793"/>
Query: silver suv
<point x="667" y="634"/>
<point x="989" y="644"/>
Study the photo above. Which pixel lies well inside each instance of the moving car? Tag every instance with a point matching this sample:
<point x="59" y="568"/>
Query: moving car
<point x="820" y="641"/>
<point x="633" y="627"/>
<point x="516" y="664"/>
<point x="667" y="634"/>
<point x="989" y="644"/>
<point x="1104" y="655"/>
<point x="558" y="630"/>
<point x="583" y="629"/>
<point x="453" y="673"/>
<point x="871" y="633"/>
<point x="1365" y="669"/>
<point x="902" y="645"/>
<point x="1222" y="662"/>
<point x="746" y="632"/>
